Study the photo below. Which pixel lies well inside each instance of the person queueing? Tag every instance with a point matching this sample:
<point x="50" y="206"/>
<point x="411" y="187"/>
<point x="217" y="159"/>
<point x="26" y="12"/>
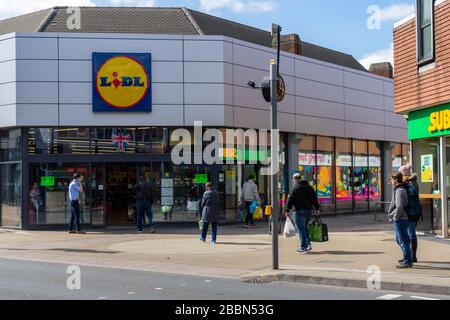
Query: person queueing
<point x="249" y="195"/>
<point x="144" y="199"/>
<point x="303" y="199"/>
<point x="211" y="212"/>
<point x="75" y="188"/>
<point x="410" y="178"/>
<point x="399" y="216"/>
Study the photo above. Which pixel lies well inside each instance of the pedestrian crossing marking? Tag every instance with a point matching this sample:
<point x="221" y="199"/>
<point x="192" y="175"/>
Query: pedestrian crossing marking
<point x="389" y="297"/>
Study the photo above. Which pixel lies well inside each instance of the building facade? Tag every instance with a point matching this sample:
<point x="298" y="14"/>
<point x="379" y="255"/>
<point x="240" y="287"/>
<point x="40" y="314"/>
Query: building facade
<point x="337" y="121"/>
<point x="422" y="93"/>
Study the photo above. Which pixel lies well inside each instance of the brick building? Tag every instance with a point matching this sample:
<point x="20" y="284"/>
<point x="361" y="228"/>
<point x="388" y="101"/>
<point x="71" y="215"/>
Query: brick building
<point x="422" y="93"/>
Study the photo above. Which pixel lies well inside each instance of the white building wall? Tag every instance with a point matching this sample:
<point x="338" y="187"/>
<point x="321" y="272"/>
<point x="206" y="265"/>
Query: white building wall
<point x="46" y="80"/>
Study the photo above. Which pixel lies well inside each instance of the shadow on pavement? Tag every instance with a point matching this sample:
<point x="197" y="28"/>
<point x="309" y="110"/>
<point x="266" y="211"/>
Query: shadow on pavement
<point x="244" y="244"/>
<point x="344" y="253"/>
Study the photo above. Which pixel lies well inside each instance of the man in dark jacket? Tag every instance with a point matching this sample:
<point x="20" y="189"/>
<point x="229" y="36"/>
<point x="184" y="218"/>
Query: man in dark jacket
<point x="144" y="199"/>
<point x="303" y="200"/>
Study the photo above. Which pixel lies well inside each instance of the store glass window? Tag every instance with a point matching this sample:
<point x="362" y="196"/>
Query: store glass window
<point x="397" y="157"/>
<point x="58" y="141"/>
<point x="406" y="154"/>
<point x="160" y="140"/>
<point x="11" y="195"/>
<point x="10" y="145"/>
<point x="49" y="193"/>
<point x="307" y="160"/>
<point x="426" y="162"/>
<point x="360" y="176"/>
<point x="343" y="175"/>
<point x="325" y="181"/>
<point x="114" y="140"/>
<point x="375" y="173"/>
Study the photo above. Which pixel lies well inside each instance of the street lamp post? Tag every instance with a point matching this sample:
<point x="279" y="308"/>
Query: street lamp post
<point x="274" y="181"/>
<point x="274" y="96"/>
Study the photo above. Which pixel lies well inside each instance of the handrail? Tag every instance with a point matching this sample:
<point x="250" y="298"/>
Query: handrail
<point x="379" y="203"/>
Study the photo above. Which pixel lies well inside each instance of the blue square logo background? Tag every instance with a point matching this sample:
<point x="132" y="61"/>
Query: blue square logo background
<point x="99" y="103"/>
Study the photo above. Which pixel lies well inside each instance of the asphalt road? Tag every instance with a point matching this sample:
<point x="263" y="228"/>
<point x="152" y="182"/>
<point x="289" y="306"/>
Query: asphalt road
<point x="36" y="281"/>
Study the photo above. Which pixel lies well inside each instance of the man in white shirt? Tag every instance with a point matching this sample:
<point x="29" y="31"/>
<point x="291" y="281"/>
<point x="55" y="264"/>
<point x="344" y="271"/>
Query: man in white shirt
<point x="75" y="188"/>
<point x="249" y="195"/>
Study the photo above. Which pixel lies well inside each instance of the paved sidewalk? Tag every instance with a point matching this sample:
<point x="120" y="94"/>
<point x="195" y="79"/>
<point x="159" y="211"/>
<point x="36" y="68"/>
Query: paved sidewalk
<point x="356" y="243"/>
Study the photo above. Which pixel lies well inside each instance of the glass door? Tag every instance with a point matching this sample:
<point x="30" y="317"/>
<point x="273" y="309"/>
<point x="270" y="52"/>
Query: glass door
<point x="97" y="194"/>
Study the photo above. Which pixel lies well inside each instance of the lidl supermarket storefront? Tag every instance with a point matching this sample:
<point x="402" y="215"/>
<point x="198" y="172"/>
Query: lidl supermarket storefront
<point x="106" y="106"/>
<point x="429" y="130"/>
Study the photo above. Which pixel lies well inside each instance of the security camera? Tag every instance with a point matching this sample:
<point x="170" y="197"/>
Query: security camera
<point x="252" y="84"/>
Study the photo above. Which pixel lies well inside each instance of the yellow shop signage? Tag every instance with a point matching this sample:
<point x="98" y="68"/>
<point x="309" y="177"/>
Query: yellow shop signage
<point x="439" y="121"/>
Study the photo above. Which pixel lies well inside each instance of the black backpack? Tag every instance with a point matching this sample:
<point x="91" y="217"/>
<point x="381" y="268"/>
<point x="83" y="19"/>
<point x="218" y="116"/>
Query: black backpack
<point x="414" y="208"/>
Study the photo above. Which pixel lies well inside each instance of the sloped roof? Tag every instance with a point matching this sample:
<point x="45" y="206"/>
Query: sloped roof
<point x="153" y="20"/>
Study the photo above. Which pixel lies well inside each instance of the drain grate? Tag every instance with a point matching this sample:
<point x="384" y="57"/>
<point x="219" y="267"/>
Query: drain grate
<point x="258" y="281"/>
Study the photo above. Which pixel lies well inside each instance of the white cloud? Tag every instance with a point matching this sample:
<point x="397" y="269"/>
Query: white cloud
<point x="239" y="6"/>
<point x="13" y="8"/>
<point x="396" y="12"/>
<point x="384" y="55"/>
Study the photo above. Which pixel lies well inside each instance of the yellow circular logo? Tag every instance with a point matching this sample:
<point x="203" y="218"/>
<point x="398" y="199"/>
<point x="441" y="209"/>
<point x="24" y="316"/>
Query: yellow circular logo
<point x="122" y="82"/>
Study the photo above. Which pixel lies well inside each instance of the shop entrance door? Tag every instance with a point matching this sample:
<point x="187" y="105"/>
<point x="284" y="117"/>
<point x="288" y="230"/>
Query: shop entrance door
<point x="120" y="194"/>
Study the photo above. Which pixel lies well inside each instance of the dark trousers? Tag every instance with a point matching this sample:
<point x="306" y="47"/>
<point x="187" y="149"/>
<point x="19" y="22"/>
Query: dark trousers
<point x="214" y="231"/>
<point x="75" y="215"/>
<point x="144" y="207"/>
<point x="249" y="216"/>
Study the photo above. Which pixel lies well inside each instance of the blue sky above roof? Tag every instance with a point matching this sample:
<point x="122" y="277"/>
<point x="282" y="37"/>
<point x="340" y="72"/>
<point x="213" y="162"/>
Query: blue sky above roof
<point x="335" y="24"/>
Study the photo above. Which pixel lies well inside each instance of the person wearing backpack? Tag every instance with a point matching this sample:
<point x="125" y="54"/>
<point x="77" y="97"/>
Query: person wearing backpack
<point x="398" y="215"/>
<point x="414" y="209"/>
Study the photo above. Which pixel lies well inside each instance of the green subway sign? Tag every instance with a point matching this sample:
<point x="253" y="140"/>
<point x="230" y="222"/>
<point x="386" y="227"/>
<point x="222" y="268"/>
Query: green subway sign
<point x="429" y="123"/>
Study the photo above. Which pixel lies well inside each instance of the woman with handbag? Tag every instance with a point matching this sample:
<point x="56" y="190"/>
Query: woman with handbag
<point x="211" y="212"/>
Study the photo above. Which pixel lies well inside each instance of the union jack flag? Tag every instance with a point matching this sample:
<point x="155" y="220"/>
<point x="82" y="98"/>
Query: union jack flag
<point x="120" y="140"/>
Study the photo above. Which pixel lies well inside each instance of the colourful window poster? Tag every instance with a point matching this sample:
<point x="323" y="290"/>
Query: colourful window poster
<point x="343" y="184"/>
<point x="375" y="184"/>
<point x="426" y="168"/>
<point x="324" y="185"/>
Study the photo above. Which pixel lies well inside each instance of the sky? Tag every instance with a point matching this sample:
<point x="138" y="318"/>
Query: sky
<point x="362" y="28"/>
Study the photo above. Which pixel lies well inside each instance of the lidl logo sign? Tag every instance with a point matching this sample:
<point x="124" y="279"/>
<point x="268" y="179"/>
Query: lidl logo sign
<point x="122" y="82"/>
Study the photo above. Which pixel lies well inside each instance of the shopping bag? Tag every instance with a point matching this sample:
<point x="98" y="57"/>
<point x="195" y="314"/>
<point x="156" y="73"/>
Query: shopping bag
<point x="166" y="209"/>
<point x="268" y="211"/>
<point x="253" y="207"/>
<point x="318" y="231"/>
<point x="240" y="214"/>
<point x="289" y="228"/>
<point x="193" y="205"/>
<point x="201" y="223"/>
<point x="258" y="214"/>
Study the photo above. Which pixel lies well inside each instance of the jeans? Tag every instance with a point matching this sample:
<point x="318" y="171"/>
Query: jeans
<point x="214" y="231"/>
<point x="412" y="230"/>
<point x="302" y="218"/>
<point x="249" y="216"/>
<point x="75" y="215"/>
<point x="402" y="237"/>
<point x="144" y="207"/>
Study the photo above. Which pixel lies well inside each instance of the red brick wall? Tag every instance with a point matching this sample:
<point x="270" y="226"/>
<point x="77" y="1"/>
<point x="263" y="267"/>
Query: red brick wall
<point x="432" y="87"/>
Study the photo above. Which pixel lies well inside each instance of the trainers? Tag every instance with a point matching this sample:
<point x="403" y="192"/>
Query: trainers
<point x="246" y="226"/>
<point x="404" y="265"/>
<point x="140" y="231"/>
<point x="309" y="248"/>
<point x="72" y="232"/>
<point x="202" y="240"/>
<point x="302" y="251"/>
<point x="252" y="226"/>
<point x="152" y="230"/>
<point x="213" y="243"/>
<point x="81" y="232"/>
